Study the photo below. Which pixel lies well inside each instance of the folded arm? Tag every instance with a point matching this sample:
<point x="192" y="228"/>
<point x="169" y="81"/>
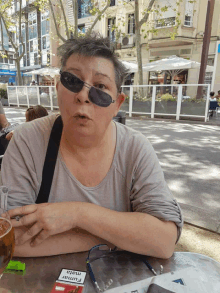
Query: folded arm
<point x="75" y="240"/>
<point x="52" y="231"/>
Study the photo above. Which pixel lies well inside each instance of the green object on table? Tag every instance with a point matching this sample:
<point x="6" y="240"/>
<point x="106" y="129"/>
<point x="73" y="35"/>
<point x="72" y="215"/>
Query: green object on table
<point x="14" y="265"/>
<point x="22" y="273"/>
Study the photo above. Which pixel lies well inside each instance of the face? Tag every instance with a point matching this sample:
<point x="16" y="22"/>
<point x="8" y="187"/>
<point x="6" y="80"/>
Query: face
<point x="80" y="116"/>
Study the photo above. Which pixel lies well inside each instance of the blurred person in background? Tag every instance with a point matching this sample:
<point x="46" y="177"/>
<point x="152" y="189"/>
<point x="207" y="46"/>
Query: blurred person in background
<point x="32" y="113"/>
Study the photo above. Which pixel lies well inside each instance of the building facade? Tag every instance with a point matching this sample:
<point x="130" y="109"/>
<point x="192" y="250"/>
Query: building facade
<point x="118" y="24"/>
<point x="35" y="35"/>
<point x="7" y="65"/>
<point x="188" y="41"/>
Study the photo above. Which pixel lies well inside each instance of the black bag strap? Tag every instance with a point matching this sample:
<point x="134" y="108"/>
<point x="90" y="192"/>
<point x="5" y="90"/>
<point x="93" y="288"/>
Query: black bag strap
<point x="50" y="161"/>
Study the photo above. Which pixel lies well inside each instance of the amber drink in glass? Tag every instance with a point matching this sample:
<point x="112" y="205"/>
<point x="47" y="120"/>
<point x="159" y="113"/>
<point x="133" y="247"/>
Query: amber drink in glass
<point x="7" y="241"/>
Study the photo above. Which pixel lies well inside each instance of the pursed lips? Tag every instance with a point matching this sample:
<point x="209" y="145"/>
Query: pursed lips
<point x="81" y="116"/>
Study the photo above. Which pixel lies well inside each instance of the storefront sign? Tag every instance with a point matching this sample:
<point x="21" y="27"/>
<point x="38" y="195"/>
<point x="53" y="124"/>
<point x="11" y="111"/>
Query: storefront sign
<point x="218" y="48"/>
<point x="7" y="72"/>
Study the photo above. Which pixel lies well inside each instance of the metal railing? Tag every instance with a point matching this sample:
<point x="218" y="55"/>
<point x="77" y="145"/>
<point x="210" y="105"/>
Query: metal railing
<point x="32" y="95"/>
<point x="150" y="100"/>
<point x="153" y="100"/>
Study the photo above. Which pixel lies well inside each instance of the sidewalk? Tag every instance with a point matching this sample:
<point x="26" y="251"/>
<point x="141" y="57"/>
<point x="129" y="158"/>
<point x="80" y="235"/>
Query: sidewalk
<point x="200" y="241"/>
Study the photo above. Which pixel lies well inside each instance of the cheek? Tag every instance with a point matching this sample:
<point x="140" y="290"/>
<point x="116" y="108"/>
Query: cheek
<point x="64" y="99"/>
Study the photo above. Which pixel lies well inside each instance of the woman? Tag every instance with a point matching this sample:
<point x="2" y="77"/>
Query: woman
<point x="107" y="184"/>
<point x="3" y="120"/>
<point x="31" y="114"/>
<point x="3" y="124"/>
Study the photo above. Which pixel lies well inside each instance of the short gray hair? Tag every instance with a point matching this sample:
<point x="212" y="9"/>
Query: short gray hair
<point x="93" y="46"/>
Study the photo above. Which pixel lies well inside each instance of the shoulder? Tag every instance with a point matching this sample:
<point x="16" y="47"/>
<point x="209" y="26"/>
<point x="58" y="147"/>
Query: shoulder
<point x="133" y="149"/>
<point x="38" y="127"/>
<point x="35" y="134"/>
<point x="131" y="139"/>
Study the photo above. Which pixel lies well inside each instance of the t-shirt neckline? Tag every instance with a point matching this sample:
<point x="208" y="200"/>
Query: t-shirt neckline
<point x="60" y="158"/>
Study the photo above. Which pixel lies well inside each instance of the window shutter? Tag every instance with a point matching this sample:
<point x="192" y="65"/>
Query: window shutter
<point x="171" y="4"/>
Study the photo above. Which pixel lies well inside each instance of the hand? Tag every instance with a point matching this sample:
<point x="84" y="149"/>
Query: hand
<point x="9" y="135"/>
<point x="44" y="220"/>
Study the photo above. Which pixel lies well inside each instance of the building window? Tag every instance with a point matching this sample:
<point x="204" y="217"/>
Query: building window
<point x="112" y="3"/>
<point x="24" y="60"/>
<point x="32" y="22"/>
<point x="111" y="31"/>
<point x="28" y="61"/>
<point x="44" y="42"/>
<point x="31" y="46"/>
<point x="165" y="22"/>
<point x="131" y="24"/>
<point x="81" y="29"/>
<point x="189" y="13"/>
<point x="188" y="21"/>
<point x="45" y="24"/>
<point x="35" y="58"/>
<point x="84" y="7"/>
<point x="48" y="57"/>
<point x="165" y="17"/>
<point x="210" y="61"/>
<point x="208" y="78"/>
<point x="11" y="61"/>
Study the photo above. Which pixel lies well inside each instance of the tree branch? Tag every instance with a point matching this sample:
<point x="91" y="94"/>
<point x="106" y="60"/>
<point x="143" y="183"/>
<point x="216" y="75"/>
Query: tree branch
<point x="55" y="23"/>
<point x="2" y="36"/>
<point x="8" y="32"/>
<point x="20" y="34"/>
<point x="65" y="20"/>
<point x="146" y="16"/>
<point x="97" y="18"/>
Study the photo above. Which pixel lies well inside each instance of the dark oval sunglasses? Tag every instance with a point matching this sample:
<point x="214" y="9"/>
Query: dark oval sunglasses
<point x="75" y="85"/>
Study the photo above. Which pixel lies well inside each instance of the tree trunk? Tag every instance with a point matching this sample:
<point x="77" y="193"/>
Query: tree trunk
<point x="138" y="46"/>
<point x="75" y="11"/>
<point x="19" y="79"/>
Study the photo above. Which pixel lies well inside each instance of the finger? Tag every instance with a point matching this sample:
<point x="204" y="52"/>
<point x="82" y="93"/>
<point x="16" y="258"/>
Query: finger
<point x="40" y="238"/>
<point x="29" y="234"/>
<point x="27" y="220"/>
<point x="24" y="210"/>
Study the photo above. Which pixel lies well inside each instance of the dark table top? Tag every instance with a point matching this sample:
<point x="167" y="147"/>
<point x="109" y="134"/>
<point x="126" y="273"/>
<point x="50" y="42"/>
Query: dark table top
<point x="42" y="272"/>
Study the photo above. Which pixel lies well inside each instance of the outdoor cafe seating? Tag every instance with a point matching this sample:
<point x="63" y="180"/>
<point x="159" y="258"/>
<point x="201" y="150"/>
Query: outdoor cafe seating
<point x="214" y="106"/>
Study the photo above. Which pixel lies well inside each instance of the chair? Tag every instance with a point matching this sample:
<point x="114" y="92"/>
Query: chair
<point x="213" y="106"/>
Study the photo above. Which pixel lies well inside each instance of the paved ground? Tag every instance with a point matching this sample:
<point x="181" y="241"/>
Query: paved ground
<point x="189" y="155"/>
<point x="194" y="239"/>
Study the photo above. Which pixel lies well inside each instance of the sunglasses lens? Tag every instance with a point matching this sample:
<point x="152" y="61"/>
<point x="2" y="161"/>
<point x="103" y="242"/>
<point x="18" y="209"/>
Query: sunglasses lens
<point x="71" y="82"/>
<point x="99" y="97"/>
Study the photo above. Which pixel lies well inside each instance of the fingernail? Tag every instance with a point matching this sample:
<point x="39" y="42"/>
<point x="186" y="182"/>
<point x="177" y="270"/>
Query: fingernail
<point x="32" y="243"/>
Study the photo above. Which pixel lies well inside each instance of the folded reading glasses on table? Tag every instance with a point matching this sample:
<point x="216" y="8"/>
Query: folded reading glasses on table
<point x="75" y="85"/>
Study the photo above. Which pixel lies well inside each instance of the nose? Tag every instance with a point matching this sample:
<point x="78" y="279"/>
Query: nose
<point x="83" y="95"/>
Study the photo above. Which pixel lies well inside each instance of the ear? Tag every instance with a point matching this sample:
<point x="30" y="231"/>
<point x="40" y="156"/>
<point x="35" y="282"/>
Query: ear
<point x="120" y="100"/>
<point x="57" y="85"/>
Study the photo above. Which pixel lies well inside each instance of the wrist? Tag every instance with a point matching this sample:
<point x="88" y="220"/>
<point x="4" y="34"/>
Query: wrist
<point x="79" y="214"/>
<point x="83" y="209"/>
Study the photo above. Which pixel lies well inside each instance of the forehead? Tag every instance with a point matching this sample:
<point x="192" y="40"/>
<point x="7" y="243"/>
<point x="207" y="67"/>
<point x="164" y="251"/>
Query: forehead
<point x="91" y="65"/>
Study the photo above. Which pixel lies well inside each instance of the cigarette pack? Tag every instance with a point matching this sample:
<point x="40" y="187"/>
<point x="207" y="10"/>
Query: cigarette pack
<point x="69" y="281"/>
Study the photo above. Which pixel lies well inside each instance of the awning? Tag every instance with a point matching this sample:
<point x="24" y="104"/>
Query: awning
<point x="174" y="63"/>
<point x="51" y="71"/>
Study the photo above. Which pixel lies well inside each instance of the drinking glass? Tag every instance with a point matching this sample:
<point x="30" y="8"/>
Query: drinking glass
<point x="7" y="241"/>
